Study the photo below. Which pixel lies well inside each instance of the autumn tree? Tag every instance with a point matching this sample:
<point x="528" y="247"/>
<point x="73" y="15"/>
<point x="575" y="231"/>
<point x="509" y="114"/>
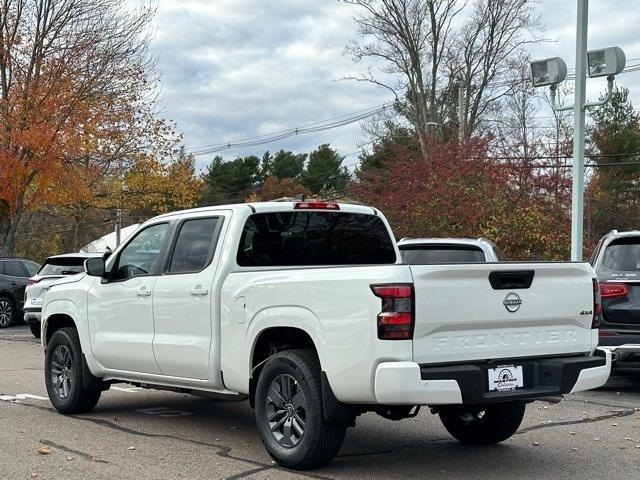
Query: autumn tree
<point x="613" y="193"/>
<point x="274" y="188"/>
<point x="75" y="83"/>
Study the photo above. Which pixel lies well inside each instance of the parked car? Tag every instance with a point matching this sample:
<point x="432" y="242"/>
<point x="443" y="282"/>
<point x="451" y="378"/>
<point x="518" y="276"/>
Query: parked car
<point x="429" y="251"/>
<point x="306" y="309"/>
<point x="14" y="273"/>
<point x="616" y="261"/>
<point x="55" y="267"/>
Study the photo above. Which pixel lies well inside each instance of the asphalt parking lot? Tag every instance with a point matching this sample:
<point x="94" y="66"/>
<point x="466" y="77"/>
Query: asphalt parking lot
<point x="146" y="434"/>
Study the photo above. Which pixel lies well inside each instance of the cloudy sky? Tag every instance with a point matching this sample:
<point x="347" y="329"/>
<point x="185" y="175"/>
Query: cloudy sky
<point x="233" y="69"/>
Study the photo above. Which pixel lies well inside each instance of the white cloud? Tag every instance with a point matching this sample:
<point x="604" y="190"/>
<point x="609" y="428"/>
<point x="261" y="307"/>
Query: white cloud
<point x="238" y="68"/>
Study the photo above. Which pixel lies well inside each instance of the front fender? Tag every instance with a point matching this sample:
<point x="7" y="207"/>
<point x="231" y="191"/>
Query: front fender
<point x="59" y="307"/>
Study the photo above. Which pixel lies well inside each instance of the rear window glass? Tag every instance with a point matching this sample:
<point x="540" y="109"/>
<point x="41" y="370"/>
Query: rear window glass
<point x="623" y="255"/>
<point x="431" y="254"/>
<point x="62" y="266"/>
<point x="314" y="238"/>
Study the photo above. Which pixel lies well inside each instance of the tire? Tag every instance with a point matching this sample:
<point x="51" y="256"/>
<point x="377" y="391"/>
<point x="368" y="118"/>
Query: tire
<point x="63" y="373"/>
<point x="291" y="423"/>
<point x="483" y="425"/>
<point x="7" y="312"/>
<point x="35" y="328"/>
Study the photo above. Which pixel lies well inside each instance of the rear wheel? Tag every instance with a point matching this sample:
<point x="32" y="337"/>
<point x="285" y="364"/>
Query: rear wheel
<point x="64" y="374"/>
<point x="289" y="412"/>
<point x="35" y="328"/>
<point x="483" y="425"/>
<point x="7" y="312"/>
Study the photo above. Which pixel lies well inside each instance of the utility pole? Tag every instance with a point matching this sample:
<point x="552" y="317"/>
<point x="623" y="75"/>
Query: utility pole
<point x="461" y="108"/>
<point x="118" y="225"/>
<point x="577" y="193"/>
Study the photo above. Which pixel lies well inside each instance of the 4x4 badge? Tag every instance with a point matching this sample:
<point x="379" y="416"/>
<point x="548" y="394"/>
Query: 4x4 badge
<point x="512" y="302"/>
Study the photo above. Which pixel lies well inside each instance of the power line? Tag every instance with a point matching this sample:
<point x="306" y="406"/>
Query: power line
<point x="309" y="128"/>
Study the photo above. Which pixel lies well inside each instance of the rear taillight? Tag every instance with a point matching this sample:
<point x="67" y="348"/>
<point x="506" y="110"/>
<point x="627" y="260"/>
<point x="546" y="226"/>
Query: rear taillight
<point x="597" y="306"/>
<point x="316" y="206"/>
<point x="606" y="333"/>
<point x="33" y="281"/>
<point x="612" y="290"/>
<point x="395" y="321"/>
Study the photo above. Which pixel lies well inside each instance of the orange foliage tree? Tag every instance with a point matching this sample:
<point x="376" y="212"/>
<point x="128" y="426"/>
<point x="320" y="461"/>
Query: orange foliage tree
<point x="75" y="106"/>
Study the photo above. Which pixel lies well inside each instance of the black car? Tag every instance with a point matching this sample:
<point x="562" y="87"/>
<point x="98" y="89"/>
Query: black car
<point x="616" y="261"/>
<point x="14" y="273"/>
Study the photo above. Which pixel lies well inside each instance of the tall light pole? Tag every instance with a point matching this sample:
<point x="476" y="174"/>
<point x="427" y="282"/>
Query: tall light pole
<point x="577" y="192"/>
<point x="552" y="71"/>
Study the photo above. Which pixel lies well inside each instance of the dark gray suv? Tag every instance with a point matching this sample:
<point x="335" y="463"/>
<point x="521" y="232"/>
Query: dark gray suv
<point x="616" y="261"/>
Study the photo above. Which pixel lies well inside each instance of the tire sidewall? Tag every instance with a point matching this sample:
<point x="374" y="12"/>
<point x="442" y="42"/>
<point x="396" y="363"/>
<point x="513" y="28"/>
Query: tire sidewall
<point x="500" y="422"/>
<point x="35" y="328"/>
<point x="62" y="337"/>
<point x="278" y="366"/>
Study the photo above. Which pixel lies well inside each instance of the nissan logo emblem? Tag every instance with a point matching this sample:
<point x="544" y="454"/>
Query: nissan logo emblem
<point x="512" y="302"/>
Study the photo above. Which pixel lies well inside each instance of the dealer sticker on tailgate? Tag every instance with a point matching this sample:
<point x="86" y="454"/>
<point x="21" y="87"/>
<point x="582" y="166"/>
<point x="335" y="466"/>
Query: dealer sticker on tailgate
<point x="505" y="377"/>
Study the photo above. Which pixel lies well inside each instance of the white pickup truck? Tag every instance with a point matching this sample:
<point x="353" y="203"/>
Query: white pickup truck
<point x="307" y="310"/>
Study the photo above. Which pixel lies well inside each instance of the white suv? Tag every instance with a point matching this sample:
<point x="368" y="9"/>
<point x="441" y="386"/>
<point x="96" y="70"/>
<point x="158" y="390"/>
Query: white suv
<point x="428" y="251"/>
<point x="54" y="268"/>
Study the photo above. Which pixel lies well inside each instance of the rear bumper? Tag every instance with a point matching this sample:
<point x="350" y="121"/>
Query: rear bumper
<point x="624" y="356"/>
<point x="408" y="383"/>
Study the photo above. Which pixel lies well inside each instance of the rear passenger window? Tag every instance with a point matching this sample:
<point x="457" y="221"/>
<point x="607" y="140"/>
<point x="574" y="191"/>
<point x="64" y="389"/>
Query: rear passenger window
<point x="194" y="244"/>
<point x="314" y="238"/>
<point x="14" y="269"/>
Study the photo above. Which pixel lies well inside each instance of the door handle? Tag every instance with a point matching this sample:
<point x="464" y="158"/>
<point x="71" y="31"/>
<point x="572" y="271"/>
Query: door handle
<point x="199" y="292"/>
<point x="143" y="292"/>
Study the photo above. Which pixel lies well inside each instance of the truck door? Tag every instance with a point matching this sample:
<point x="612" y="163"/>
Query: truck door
<point x="120" y="311"/>
<point x="183" y="300"/>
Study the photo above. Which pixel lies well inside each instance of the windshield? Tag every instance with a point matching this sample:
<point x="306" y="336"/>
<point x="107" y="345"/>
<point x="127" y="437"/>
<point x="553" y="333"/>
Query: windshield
<point x="623" y="255"/>
<point x="432" y="254"/>
<point x="62" y="266"/>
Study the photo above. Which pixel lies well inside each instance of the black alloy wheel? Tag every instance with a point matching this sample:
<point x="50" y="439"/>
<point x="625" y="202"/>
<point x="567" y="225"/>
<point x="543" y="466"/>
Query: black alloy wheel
<point x="286" y="410"/>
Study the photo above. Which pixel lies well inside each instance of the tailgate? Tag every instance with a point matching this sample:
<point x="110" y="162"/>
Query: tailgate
<point x="461" y="316"/>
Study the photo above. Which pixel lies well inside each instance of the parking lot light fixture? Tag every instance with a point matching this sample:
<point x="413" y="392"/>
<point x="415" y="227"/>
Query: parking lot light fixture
<point x="550" y="71"/>
<point x="605" y="62"/>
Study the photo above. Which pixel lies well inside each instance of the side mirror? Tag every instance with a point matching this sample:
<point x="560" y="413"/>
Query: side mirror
<point x="94" y="266"/>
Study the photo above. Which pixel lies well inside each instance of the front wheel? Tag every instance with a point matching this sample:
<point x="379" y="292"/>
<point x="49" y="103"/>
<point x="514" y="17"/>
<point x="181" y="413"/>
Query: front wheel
<point x="289" y="412"/>
<point x="63" y="374"/>
<point x="483" y="425"/>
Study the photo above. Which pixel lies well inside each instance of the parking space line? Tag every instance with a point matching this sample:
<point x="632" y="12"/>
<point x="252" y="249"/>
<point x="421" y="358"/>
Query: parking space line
<point x="127" y="389"/>
<point x="21" y="396"/>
